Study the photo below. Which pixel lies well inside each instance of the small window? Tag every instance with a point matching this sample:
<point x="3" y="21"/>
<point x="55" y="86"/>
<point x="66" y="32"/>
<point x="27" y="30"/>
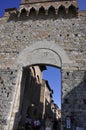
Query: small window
<point x="61" y="12"/>
<point x="66" y="101"/>
<point x="67" y="73"/>
<point x="41" y="11"/>
<point x="72" y="11"/>
<point x="84" y="101"/>
<point x="23" y="12"/>
<point x="51" y="11"/>
<point x="32" y="12"/>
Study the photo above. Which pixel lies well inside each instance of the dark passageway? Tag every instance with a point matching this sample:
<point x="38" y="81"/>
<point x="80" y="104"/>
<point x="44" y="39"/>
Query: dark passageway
<point x="39" y="111"/>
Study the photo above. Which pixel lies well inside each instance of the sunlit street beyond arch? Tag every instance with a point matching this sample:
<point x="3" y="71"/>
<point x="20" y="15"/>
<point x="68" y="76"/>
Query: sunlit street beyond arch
<point x="53" y="75"/>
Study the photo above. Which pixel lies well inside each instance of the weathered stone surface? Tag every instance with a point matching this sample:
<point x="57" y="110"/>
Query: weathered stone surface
<point x="67" y="34"/>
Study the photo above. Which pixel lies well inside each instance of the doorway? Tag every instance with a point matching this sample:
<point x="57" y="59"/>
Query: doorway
<point x="41" y="53"/>
<point x="41" y="101"/>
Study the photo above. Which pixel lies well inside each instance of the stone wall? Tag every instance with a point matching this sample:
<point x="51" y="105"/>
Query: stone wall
<point x="16" y="35"/>
<point x="69" y="34"/>
<point x="74" y="95"/>
<point x="7" y="90"/>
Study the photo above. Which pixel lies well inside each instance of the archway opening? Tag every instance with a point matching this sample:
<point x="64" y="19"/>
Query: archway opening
<point x="32" y="13"/>
<point x="39" y="54"/>
<point x="61" y="12"/>
<point x="41" y="100"/>
<point x="72" y="11"/>
<point x="51" y="11"/>
<point x="41" y="13"/>
<point x="23" y="13"/>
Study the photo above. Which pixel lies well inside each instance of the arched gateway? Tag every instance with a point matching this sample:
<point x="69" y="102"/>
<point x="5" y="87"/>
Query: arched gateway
<point x="43" y="52"/>
<point x="40" y="53"/>
<point x="43" y="32"/>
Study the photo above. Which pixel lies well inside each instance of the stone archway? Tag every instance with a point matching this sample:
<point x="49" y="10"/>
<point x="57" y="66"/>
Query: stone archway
<point x="43" y="52"/>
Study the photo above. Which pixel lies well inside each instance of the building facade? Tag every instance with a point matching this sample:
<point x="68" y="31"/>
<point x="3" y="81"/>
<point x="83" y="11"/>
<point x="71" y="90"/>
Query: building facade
<point x="43" y="32"/>
<point x="31" y="87"/>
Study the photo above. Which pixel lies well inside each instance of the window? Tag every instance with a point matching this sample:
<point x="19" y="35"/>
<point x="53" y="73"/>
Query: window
<point x="84" y="101"/>
<point x="66" y="101"/>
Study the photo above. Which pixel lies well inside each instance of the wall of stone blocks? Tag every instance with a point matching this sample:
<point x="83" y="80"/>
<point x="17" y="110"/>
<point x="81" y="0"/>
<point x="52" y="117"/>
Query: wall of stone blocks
<point x="7" y="90"/>
<point x="17" y="34"/>
<point x="74" y="94"/>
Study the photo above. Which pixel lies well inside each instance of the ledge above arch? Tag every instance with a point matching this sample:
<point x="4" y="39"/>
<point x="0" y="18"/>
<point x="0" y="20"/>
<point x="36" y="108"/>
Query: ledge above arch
<point x="43" y="52"/>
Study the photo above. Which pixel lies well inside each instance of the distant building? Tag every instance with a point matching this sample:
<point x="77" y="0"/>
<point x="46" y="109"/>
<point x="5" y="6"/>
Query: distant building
<point x="56" y="111"/>
<point x="31" y="98"/>
<point x="50" y="109"/>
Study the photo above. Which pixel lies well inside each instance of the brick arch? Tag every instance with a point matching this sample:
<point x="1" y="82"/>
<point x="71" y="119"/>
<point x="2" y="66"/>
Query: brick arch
<point x="43" y="52"/>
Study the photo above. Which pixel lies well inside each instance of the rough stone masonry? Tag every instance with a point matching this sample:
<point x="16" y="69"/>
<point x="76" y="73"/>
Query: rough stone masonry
<point x="43" y="32"/>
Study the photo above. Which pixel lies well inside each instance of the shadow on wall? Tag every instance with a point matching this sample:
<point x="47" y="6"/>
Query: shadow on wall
<point x="74" y="102"/>
<point x="17" y="115"/>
